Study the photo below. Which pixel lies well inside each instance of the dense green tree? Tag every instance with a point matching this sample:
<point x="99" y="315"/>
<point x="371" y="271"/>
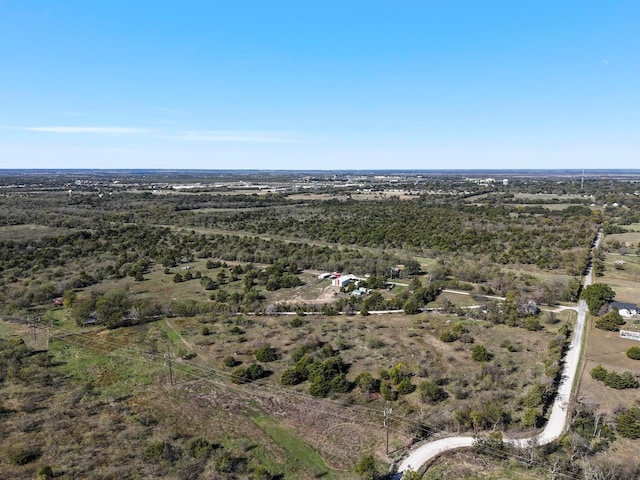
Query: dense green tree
<point x="611" y="321"/>
<point x="597" y="295"/>
<point x="266" y="353"/>
<point x="431" y="392"/>
<point x="628" y="423"/>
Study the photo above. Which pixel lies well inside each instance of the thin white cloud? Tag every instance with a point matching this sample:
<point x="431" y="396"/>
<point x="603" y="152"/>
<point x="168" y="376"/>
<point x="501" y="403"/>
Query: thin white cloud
<point x="93" y="130"/>
<point x="232" y="136"/>
<point x="235" y="136"/>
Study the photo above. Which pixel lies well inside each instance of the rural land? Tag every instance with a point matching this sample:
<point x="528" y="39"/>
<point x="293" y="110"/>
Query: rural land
<point x="293" y="325"/>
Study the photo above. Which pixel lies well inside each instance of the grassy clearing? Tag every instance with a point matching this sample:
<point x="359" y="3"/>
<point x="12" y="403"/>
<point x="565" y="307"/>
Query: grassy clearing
<point x="634" y="227"/>
<point x="532" y="270"/>
<point x="545" y="196"/>
<point x="298" y="453"/>
<point x="28" y="232"/>
<point x="623" y="280"/>
<point x="629" y="238"/>
<point x="548" y="206"/>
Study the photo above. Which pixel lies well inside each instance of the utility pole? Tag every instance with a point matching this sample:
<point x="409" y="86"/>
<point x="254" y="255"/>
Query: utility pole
<point x="167" y="357"/>
<point x="387" y="413"/>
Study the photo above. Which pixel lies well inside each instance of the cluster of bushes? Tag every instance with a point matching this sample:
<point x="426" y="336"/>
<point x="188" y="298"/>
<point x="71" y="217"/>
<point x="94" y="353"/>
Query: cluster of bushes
<point x="113" y="308"/>
<point x="613" y="379"/>
<point x="489" y="414"/>
<point x="322" y="366"/>
<point x="395" y="381"/>
<point x="248" y="374"/>
<point x="198" y="455"/>
<point x="454" y="333"/>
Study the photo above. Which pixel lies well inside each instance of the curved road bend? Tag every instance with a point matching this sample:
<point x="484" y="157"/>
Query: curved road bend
<point x="558" y="418"/>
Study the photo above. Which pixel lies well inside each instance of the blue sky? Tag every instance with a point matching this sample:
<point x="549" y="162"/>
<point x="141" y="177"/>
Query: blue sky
<point x="322" y="85"/>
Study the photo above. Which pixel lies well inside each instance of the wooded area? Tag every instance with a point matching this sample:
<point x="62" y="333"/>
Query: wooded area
<point x="233" y="285"/>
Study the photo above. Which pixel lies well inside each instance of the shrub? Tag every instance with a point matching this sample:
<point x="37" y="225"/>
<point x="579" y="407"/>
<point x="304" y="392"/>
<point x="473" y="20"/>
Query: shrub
<point x="266" y="354"/>
<point x="367" y="468"/>
<point x="45" y="472"/>
<point x="454" y="334"/>
<point x="612" y="321"/>
<point x="387" y="392"/>
<point x="628" y="423"/>
<point x="375" y="343"/>
<point x="599" y="373"/>
<point x="431" y="392"/>
<point x="296" y="322"/>
<point x="293" y="376"/>
<point x="255" y="371"/>
<point x="22" y="454"/>
<point x="240" y="375"/>
<point x="479" y="353"/>
<point x="448" y="336"/>
<point x="405" y="387"/>
<point x="200" y="449"/>
<point x="532" y="324"/>
<point x="230" y="361"/>
<point x="634" y="353"/>
<point x="158" y="451"/>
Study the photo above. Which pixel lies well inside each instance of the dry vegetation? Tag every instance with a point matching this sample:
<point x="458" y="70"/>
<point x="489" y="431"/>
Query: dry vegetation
<point x="100" y="403"/>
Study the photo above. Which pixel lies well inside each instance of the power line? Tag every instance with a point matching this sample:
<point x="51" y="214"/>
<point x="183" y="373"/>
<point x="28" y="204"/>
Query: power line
<point x="87" y="339"/>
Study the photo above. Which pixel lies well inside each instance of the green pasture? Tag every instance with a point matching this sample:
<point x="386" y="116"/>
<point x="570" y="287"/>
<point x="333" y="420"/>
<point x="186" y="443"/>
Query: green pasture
<point x="297" y="451"/>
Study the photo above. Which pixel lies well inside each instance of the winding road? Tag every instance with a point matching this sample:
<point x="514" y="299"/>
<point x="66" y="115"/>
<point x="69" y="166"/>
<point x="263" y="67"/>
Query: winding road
<point x="559" y="411"/>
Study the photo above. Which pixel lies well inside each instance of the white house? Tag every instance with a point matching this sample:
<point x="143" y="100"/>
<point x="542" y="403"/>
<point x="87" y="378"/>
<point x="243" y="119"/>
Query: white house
<point x="625" y="309"/>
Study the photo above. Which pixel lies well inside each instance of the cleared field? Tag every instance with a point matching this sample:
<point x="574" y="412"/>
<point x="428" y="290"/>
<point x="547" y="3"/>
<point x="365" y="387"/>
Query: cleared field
<point x="548" y="206"/>
<point x="607" y="349"/>
<point x="625" y="278"/>
<point x="31" y="232"/>
<point x="630" y="238"/>
<point x="546" y="196"/>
